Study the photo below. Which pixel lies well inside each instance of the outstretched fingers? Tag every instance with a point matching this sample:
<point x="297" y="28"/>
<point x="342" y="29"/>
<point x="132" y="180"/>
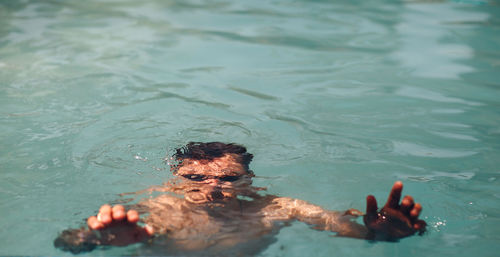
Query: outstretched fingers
<point x="94" y="224"/>
<point x="104" y="215"/>
<point x="394" y="196"/>
<point x="407" y="205"/>
<point x="149" y="230"/>
<point x="415" y="212"/>
<point x="108" y="214"/>
<point x="371" y="206"/>
<point x="119" y="227"/>
<point x="420" y="226"/>
<point x="394" y="220"/>
<point x="118" y="212"/>
<point x="132" y="216"/>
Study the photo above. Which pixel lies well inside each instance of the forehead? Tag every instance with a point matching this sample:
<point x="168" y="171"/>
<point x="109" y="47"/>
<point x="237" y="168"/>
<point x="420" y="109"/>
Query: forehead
<point x="226" y="165"/>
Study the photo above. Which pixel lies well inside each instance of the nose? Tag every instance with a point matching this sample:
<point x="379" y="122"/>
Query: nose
<point x="212" y="181"/>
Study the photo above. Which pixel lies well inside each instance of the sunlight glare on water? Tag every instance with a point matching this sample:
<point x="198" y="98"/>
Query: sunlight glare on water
<point x="335" y="99"/>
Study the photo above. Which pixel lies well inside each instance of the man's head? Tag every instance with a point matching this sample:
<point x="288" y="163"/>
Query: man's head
<point x="217" y="169"/>
<point x="209" y="151"/>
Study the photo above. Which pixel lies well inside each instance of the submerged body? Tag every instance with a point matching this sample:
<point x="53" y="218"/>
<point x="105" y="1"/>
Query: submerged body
<point x="237" y="227"/>
<point x="212" y="209"/>
<point x="233" y="226"/>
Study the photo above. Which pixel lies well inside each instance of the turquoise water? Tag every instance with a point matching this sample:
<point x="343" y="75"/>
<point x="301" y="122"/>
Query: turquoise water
<point x="336" y="100"/>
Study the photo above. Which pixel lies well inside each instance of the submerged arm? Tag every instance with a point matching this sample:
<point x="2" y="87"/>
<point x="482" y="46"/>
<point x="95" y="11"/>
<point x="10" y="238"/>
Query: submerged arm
<point x="392" y="222"/>
<point x="340" y="222"/>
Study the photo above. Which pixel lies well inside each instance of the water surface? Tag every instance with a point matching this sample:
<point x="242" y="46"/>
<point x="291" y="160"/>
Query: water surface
<point x="336" y="100"/>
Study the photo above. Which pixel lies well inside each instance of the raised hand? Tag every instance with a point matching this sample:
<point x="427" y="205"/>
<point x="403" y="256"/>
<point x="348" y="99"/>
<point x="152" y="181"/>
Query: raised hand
<point x="118" y="227"/>
<point x="112" y="226"/>
<point x="394" y="220"/>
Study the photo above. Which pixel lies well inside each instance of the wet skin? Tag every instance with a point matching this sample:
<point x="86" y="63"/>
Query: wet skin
<point x="211" y="209"/>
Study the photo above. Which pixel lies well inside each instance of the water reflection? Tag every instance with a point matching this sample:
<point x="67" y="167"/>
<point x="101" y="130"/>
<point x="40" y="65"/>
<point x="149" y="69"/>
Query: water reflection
<point x="407" y="148"/>
<point x="427" y="46"/>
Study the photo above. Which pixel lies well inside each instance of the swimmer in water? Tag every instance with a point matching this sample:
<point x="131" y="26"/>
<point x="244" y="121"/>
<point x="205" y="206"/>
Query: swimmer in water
<point x="212" y="209"/>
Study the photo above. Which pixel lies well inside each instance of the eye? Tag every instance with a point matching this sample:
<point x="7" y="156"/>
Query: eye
<point x="195" y="177"/>
<point x="230" y="178"/>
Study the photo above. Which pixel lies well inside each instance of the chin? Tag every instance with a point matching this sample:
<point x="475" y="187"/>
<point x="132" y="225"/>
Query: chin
<point x="228" y="195"/>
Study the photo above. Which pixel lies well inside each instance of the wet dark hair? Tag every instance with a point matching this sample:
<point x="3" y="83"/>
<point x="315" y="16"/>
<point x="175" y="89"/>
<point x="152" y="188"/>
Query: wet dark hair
<point x="211" y="150"/>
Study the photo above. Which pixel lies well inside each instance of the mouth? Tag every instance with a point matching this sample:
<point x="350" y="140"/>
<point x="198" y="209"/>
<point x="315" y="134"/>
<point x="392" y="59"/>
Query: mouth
<point x="198" y="196"/>
<point x="217" y="195"/>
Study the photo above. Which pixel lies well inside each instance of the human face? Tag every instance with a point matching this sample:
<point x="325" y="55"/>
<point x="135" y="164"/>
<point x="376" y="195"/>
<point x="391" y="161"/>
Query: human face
<point x="216" y="179"/>
<point x="200" y="177"/>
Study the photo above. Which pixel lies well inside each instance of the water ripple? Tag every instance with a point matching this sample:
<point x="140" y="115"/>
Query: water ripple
<point x="407" y="148"/>
<point x="426" y="94"/>
<point x="252" y="93"/>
